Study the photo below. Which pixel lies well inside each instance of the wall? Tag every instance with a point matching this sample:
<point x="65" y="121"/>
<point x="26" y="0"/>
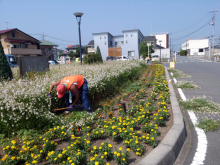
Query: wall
<point x="29" y="64"/>
<point x="195" y="45"/>
<point x="164" y="38"/>
<point x="118" y="39"/>
<point x="131" y="45"/>
<point x="115" y="51"/>
<point x="102" y="43"/>
<point x="165" y="53"/>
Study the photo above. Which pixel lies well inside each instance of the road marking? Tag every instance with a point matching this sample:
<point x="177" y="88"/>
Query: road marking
<point x="200" y="154"/>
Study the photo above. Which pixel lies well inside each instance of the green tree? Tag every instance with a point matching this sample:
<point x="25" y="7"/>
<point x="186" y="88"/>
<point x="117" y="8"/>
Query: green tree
<point x="98" y="53"/>
<point x="183" y="53"/>
<point x="144" y="50"/>
<point x="5" y="70"/>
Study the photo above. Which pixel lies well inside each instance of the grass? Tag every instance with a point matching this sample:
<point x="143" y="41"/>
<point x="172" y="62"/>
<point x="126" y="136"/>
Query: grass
<point x="208" y="125"/>
<point x="201" y="104"/>
<point x="178" y="74"/>
<point x="186" y="85"/>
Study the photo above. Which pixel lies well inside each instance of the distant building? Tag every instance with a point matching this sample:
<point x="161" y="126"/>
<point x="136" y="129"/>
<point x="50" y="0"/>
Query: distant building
<point x="90" y="47"/>
<point x="127" y="44"/>
<point x="47" y="49"/>
<point x="195" y="47"/>
<point x="164" y="38"/>
<point x="18" y="43"/>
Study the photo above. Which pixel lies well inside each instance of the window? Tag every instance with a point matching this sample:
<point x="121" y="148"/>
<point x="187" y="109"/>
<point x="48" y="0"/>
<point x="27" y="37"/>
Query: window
<point x="200" y="50"/>
<point x="105" y="42"/>
<point x="105" y="37"/>
<point x="122" y="42"/>
<point x="110" y="42"/>
<point x="23" y="45"/>
<point x="16" y="46"/>
<point x="126" y="41"/>
<point x="139" y="41"/>
<point x="116" y="44"/>
<point x="131" y="53"/>
<point x="131" y="35"/>
<point x="13" y="34"/>
<point x="126" y="35"/>
<point x="100" y="37"/>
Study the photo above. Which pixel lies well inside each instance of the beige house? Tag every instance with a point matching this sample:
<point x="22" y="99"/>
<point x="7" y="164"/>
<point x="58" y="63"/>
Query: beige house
<point x="18" y="43"/>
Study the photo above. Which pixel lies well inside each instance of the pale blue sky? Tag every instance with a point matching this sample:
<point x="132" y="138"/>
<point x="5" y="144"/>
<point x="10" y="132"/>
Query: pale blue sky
<point x="55" y="18"/>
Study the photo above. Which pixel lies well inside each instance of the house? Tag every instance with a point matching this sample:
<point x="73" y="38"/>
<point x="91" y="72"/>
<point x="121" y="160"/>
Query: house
<point x="47" y="48"/>
<point x="57" y="52"/>
<point x="195" y="47"/>
<point x="127" y="44"/>
<point x="18" y="43"/>
<point x="162" y="39"/>
<point x="72" y="48"/>
<point x="90" y="47"/>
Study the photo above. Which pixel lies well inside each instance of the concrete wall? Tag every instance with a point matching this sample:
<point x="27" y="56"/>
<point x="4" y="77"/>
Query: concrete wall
<point x="165" y="53"/>
<point x="118" y="39"/>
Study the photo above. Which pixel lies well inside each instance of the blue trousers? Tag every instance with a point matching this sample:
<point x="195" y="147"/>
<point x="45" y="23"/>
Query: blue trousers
<point x="84" y="98"/>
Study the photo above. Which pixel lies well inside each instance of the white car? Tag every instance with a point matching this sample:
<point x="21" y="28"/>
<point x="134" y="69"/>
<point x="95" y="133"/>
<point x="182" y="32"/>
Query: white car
<point x="123" y="58"/>
<point x="155" y="58"/>
<point x="51" y="62"/>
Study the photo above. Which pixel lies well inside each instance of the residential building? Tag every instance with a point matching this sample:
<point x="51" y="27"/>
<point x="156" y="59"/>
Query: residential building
<point x="18" y="43"/>
<point x="127" y="44"/>
<point x="162" y="39"/>
<point x="195" y="47"/>
<point x="90" y="47"/>
<point x="47" y="49"/>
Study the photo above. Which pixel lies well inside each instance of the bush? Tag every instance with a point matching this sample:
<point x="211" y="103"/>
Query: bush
<point x="91" y="58"/>
<point x="183" y="53"/>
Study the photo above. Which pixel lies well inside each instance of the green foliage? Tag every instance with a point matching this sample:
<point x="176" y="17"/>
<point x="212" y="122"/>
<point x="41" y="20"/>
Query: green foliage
<point x="144" y="50"/>
<point x="183" y="53"/>
<point x="99" y="55"/>
<point x="208" y="125"/>
<point x="5" y="70"/>
<point x="91" y="58"/>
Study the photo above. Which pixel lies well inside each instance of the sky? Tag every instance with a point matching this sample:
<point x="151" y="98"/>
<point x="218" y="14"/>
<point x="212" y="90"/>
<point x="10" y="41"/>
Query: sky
<point x="181" y="19"/>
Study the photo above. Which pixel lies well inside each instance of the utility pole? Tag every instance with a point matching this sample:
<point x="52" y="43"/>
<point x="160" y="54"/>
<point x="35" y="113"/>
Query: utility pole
<point x="43" y="36"/>
<point x="213" y="23"/>
<point x="7" y="24"/>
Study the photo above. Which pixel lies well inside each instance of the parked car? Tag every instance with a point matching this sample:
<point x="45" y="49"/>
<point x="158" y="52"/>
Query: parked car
<point x="79" y="59"/>
<point x="109" y="58"/>
<point x="155" y="58"/>
<point x="123" y="58"/>
<point x="11" y="60"/>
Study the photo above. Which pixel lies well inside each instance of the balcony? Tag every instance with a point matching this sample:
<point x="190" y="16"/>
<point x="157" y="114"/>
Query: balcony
<point x="20" y="51"/>
<point x="91" y="50"/>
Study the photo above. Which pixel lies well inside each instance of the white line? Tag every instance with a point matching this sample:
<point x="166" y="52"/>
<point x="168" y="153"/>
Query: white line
<point x="200" y="154"/>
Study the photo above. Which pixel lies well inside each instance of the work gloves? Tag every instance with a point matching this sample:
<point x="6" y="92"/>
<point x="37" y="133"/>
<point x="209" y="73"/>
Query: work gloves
<point x="49" y="95"/>
<point x="72" y="107"/>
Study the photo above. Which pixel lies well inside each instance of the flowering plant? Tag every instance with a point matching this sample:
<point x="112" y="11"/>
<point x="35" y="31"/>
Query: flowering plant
<point x="122" y="157"/>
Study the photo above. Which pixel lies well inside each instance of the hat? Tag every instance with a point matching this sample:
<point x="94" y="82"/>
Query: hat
<point x="61" y="90"/>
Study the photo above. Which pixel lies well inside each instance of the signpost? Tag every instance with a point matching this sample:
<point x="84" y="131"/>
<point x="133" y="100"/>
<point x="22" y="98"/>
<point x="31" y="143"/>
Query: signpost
<point x="148" y="44"/>
<point x="172" y="65"/>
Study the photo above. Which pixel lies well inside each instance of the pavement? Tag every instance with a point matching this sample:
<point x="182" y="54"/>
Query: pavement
<point x="205" y="73"/>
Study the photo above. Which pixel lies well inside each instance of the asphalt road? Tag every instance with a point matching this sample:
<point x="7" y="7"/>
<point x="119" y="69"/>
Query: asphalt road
<point x="205" y="74"/>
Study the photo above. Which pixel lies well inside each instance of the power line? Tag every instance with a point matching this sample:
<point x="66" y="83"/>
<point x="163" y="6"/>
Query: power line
<point x="191" y="24"/>
<point x="193" y="31"/>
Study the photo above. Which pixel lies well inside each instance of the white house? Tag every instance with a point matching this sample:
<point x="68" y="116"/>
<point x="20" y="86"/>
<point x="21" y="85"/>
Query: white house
<point x="195" y="47"/>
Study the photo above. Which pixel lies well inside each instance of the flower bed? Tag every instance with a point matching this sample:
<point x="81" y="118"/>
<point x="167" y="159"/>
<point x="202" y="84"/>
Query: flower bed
<point x="24" y="102"/>
<point x="111" y="136"/>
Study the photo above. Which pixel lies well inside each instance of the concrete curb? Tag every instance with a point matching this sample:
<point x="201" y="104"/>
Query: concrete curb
<point x="167" y="151"/>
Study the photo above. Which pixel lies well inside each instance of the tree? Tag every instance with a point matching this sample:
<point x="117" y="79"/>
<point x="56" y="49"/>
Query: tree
<point x="99" y="55"/>
<point x="5" y="70"/>
<point x="183" y="53"/>
<point x="144" y="50"/>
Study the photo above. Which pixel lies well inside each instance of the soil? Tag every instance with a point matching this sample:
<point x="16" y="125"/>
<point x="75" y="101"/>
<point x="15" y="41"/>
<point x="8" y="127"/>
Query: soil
<point x="133" y="159"/>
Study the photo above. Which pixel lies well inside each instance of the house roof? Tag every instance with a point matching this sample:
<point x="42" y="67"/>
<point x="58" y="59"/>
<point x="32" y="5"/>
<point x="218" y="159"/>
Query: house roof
<point x="72" y="46"/>
<point x="102" y="33"/>
<point x="69" y="46"/>
<point x="10" y="30"/>
<point x="159" y="47"/>
<point x="91" y="42"/>
<point x="149" y="38"/>
<point x="17" y="40"/>
<point x="47" y="43"/>
<point x="119" y="36"/>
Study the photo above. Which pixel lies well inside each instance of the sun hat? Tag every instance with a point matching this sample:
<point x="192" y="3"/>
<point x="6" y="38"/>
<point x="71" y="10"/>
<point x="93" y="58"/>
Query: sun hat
<point x="61" y="90"/>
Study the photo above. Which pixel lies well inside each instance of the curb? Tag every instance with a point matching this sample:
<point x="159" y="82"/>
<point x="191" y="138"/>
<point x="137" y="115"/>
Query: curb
<point x="167" y="151"/>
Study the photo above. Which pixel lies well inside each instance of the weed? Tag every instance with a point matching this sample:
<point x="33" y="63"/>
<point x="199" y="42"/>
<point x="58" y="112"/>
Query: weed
<point x="208" y="125"/>
<point x="186" y="85"/>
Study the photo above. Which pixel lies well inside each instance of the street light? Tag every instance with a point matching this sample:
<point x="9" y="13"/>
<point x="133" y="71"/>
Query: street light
<point x="78" y="18"/>
<point x="160" y="51"/>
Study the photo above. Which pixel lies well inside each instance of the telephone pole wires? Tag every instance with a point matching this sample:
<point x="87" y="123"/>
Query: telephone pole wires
<point x="213" y="23"/>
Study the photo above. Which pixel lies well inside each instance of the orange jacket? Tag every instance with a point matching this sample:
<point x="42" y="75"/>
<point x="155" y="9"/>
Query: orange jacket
<point x="71" y="79"/>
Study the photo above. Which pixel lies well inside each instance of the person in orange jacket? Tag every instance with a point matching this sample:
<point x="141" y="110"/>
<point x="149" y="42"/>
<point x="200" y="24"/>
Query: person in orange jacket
<point x="70" y="88"/>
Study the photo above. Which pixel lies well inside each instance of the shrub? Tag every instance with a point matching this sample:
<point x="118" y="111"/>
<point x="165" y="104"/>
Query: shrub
<point x="183" y="53"/>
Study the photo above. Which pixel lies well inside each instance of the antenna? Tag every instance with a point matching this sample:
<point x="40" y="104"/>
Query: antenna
<point x="7" y="24"/>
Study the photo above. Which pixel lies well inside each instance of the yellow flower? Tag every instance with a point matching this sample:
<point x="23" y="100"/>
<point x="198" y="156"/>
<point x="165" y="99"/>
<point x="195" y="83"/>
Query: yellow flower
<point x="55" y="159"/>
<point x="60" y="155"/>
<point x="147" y="137"/>
<point x="115" y="152"/>
<point x="94" y="147"/>
<point x="109" y="145"/>
<point x="123" y="159"/>
<point x="34" y="161"/>
<point x="100" y="148"/>
<point x="120" y="148"/>
<point x="102" y="156"/>
<point x="13" y="158"/>
<point x="128" y="149"/>
<point x="96" y="163"/>
<point x="105" y="153"/>
<point x="102" y="143"/>
<point x="73" y="164"/>
<point x="152" y="138"/>
<point x="118" y="154"/>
